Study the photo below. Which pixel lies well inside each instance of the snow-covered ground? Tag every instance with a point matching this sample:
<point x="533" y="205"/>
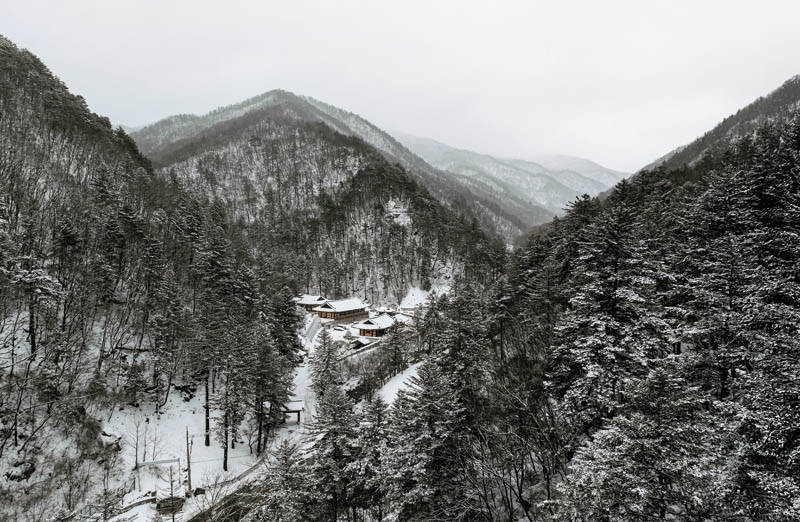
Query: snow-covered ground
<point x="400" y="381"/>
<point x="165" y="435"/>
<point x="417" y="297"/>
<point x="169" y="433"/>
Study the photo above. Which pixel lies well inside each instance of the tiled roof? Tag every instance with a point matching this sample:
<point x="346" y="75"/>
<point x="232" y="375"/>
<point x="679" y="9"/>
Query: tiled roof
<point x="307" y="300"/>
<point x="375" y="323"/>
<point x="342" y="305"/>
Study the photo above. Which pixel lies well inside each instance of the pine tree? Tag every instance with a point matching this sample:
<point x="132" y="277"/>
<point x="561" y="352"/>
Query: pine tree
<point x="427" y="432"/>
<point x="284" y="489"/>
<point x="325" y="367"/>
<point x="367" y="469"/>
<point x="330" y="479"/>
<point x="461" y="341"/>
<point x="610" y="331"/>
<point x="719" y="280"/>
<point x="287" y="322"/>
<point x="269" y="377"/>
<point x="166" y="332"/>
<point x="661" y="459"/>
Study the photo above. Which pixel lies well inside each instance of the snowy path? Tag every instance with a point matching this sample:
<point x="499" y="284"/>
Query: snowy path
<point x="244" y="468"/>
<point x="291" y="432"/>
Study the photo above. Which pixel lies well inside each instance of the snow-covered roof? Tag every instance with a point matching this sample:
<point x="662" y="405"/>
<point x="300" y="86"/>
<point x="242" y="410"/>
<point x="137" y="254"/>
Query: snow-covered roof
<point x="296" y="404"/>
<point x="308" y="300"/>
<point x="381" y="322"/>
<point x="342" y="305"/>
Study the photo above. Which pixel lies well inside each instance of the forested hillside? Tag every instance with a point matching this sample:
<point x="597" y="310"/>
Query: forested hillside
<point x="775" y="106"/>
<point x="120" y="284"/>
<point x="332" y="215"/>
<point x="638" y="361"/>
<point x="468" y="198"/>
<point x="116" y="285"/>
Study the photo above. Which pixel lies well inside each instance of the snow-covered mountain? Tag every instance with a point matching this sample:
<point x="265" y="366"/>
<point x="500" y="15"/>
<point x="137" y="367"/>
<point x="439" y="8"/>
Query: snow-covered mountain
<point x="280" y="162"/>
<point x="586" y="168"/>
<point x="551" y="188"/>
<point x="774" y="106"/>
<point x="498" y="210"/>
<point x="507" y="196"/>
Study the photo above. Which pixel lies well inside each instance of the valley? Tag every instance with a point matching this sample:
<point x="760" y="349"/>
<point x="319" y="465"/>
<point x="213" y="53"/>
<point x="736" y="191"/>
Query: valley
<point x="277" y="311"/>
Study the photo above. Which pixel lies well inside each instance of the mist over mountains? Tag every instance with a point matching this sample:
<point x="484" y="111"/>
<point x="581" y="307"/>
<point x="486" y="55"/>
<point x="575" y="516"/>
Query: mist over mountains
<point x="277" y="311"/>
<point x="489" y="189"/>
<point x="775" y="106"/>
<point x="550" y="182"/>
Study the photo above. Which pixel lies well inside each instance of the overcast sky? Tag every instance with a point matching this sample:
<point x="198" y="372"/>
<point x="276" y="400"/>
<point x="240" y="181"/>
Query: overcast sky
<point x="619" y="82"/>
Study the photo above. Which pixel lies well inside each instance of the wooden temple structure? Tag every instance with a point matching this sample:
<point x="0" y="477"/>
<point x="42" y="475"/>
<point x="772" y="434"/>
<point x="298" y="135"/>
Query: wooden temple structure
<point x="352" y="308"/>
<point x="375" y="326"/>
<point x="309" y="302"/>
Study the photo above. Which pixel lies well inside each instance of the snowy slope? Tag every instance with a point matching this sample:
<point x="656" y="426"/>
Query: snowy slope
<point x="585" y="167"/>
<point x="508" y="179"/>
<point x="488" y="206"/>
<point x="400" y="381"/>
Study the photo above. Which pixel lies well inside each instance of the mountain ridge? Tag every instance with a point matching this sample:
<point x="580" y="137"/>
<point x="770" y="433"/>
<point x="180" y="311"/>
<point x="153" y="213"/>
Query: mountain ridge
<point x="775" y="105"/>
<point x="466" y="198"/>
<point x="583" y="166"/>
<point x="550" y="189"/>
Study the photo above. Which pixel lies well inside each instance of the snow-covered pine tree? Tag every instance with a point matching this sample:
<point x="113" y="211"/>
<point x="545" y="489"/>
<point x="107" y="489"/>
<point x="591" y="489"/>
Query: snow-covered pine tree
<point x="325" y="366"/>
<point x="269" y="379"/>
<point x="719" y="275"/>
<point x="330" y="471"/>
<point x="286" y="323"/>
<point x="165" y="324"/>
<point x="282" y="494"/>
<point x="367" y="467"/>
<point x="609" y="331"/>
<point x="461" y="343"/>
<point x="662" y="458"/>
<point x="423" y="458"/>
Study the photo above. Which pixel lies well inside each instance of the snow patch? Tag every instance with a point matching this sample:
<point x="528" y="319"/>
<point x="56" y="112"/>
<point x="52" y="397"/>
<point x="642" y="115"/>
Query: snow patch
<point x="400" y="381"/>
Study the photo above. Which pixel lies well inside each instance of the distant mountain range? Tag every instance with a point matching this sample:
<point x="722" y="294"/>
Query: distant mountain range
<point x="160" y="139"/>
<point x="588" y="168"/>
<point x="507" y="196"/>
<point x="549" y="183"/>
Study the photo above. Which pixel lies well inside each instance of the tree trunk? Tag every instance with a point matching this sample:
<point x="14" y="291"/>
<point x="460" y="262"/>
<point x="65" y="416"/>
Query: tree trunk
<point x="260" y="416"/>
<point x="225" y="450"/>
<point x="208" y="423"/>
<point x="32" y="324"/>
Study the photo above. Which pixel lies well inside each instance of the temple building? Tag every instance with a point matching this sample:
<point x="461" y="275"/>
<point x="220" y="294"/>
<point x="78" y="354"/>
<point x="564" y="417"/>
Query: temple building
<point x="352" y="308"/>
<point x="309" y="302"/>
<point x="374" y="326"/>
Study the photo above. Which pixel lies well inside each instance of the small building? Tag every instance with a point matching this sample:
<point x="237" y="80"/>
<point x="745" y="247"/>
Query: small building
<point x="294" y="406"/>
<point x="375" y="326"/>
<point x="352" y="308"/>
<point x="309" y="302"/>
<point x="359" y="343"/>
